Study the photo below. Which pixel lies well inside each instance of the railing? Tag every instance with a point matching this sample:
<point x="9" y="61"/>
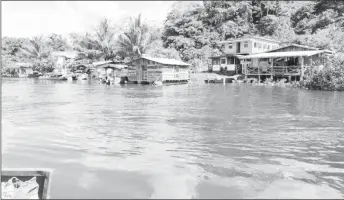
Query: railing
<point x="280" y="70"/>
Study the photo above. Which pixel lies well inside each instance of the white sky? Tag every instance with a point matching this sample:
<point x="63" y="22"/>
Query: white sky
<point x="30" y="18"/>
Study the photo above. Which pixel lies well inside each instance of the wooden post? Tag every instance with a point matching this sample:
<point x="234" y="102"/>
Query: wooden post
<point x="272" y="67"/>
<point x="224" y="80"/>
<point x="236" y="70"/>
<point x="258" y="70"/>
<point x="302" y="69"/>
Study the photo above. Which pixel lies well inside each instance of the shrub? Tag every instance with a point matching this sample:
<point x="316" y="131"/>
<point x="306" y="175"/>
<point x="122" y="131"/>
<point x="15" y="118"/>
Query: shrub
<point x="330" y="78"/>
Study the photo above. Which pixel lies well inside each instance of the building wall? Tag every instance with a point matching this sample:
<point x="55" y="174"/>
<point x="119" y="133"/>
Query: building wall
<point x="153" y="71"/>
<point x="261" y="46"/>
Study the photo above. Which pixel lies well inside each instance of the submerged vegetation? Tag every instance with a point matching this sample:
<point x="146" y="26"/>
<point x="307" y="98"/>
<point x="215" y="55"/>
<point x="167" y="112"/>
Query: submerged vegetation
<point x="191" y="32"/>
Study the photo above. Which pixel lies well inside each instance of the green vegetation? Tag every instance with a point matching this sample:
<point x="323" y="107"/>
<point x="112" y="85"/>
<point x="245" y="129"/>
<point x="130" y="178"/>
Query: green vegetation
<point x="192" y="30"/>
<point x="331" y="77"/>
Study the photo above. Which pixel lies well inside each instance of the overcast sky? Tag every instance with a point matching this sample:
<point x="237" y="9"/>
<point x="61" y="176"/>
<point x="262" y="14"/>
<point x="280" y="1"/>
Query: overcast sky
<point x="26" y="19"/>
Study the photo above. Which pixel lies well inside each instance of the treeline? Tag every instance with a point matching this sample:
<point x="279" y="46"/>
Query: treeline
<point x="191" y="32"/>
<point x="193" y="28"/>
<point x="108" y="41"/>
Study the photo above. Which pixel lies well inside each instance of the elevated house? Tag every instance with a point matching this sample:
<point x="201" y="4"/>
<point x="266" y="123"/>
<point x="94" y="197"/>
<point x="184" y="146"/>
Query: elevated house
<point x="289" y="61"/>
<point x="234" y="48"/>
<point x="147" y="69"/>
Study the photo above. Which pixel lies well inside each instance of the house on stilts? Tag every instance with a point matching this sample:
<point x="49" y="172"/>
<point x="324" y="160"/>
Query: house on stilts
<point x="232" y="49"/>
<point x="289" y="62"/>
<point x="257" y="57"/>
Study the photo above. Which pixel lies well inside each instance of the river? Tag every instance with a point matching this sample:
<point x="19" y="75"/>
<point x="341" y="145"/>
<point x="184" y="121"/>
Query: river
<point x="180" y="141"/>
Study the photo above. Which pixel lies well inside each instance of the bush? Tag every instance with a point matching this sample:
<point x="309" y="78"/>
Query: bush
<point x="330" y="78"/>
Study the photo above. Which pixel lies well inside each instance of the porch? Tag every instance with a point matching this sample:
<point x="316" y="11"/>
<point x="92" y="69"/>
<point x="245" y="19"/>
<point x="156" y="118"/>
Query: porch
<point x="281" y="64"/>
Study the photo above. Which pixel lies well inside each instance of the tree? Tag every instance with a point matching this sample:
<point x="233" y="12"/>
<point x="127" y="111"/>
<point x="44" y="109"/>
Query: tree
<point x="97" y="45"/>
<point x="136" y="39"/>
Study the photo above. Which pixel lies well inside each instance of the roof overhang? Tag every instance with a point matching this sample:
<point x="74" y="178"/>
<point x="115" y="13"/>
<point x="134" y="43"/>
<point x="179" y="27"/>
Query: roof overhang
<point x="285" y="54"/>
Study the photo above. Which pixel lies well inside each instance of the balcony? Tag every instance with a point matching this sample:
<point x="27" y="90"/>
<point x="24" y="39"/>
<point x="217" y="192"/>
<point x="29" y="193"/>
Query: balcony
<point x="275" y="70"/>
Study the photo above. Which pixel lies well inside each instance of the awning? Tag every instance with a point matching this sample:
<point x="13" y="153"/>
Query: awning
<point x="284" y="54"/>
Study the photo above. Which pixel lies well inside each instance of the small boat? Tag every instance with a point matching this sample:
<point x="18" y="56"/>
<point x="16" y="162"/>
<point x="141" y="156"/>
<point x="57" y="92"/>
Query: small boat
<point x="26" y="183"/>
<point x="82" y="77"/>
<point x="53" y="77"/>
<point x="157" y="83"/>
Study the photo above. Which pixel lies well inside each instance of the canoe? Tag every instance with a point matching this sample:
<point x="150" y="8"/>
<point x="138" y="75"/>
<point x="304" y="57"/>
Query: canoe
<point x="43" y="179"/>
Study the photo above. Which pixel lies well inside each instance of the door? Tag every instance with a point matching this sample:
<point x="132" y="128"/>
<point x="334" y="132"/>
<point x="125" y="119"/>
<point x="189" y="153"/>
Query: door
<point x="238" y="47"/>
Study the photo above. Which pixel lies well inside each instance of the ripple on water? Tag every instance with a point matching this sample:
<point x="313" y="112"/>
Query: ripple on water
<point x="195" y="140"/>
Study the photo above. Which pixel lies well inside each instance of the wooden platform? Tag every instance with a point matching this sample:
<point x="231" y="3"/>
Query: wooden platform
<point x="43" y="178"/>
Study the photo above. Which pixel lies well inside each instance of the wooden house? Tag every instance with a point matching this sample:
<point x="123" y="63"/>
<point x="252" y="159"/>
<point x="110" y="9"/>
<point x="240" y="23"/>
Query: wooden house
<point x="232" y="49"/>
<point x="289" y="61"/>
<point x="147" y="69"/>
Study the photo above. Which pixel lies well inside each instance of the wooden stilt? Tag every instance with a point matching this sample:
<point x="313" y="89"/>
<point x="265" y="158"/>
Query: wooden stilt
<point x="302" y="68"/>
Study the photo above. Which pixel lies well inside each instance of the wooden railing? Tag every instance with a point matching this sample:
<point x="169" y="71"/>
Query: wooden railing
<point x="292" y="70"/>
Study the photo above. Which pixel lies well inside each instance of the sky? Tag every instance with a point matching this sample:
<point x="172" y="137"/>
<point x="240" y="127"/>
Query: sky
<point x="32" y="18"/>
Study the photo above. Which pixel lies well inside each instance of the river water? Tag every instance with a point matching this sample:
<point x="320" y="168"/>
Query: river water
<point x="181" y="141"/>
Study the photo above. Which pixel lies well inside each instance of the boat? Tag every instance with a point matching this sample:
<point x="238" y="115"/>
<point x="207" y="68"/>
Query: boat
<point x="38" y="179"/>
<point x="157" y="83"/>
<point x="82" y="77"/>
<point x="53" y="77"/>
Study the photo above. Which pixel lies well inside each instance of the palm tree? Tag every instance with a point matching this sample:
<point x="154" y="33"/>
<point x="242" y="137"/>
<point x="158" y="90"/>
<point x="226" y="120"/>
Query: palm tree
<point x="39" y="53"/>
<point x="136" y="40"/>
<point x="99" y="45"/>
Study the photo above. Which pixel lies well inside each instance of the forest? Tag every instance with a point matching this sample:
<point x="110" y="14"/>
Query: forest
<point x="191" y="32"/>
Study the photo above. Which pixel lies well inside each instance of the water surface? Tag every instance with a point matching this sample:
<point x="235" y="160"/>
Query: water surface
<point x="182" y="141"/>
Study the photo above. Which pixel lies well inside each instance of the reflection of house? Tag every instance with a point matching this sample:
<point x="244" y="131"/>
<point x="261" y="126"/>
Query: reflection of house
<point x="148" y="69"/>
<point x="229" y="61"/>
<point x="287" y="61"/>
<point x="63" y="58"/>
<point x="110" y="68"/>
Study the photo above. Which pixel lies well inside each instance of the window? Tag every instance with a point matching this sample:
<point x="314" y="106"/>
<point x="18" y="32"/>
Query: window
<point x="268" y="46"/>
<point x="255" y="44"/>
<point x="259" y="45"/>
<point x="246" y="45"/>
<point x="223" y="60"/>
<point x="230" y="45"/>
<point x="230" y="60"/>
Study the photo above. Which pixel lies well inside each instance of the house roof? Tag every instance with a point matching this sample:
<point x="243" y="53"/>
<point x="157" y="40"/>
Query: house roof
<point x="67" y="54"/>
<point x="20" y="65"/>
<point x="249" y="38"/>
<point x="294" y="45"/>
<point x="96" y="64"/>
<point x="166" y="61"/>
<point x="284" y="54"/>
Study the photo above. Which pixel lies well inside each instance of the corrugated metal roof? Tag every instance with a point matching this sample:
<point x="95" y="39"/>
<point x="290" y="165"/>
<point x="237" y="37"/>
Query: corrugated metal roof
<point x="284" y="54"/>
<point x="166" y="61"/>
<point x="106" y="62"/>
<point x="293" y="45"/>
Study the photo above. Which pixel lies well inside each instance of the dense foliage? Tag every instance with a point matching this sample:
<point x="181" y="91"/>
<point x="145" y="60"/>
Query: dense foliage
<point x="191" y="32"/>
<point x="330" y="77"/>
<point x="193" y="28"/>
<point x="106" y="42"/>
